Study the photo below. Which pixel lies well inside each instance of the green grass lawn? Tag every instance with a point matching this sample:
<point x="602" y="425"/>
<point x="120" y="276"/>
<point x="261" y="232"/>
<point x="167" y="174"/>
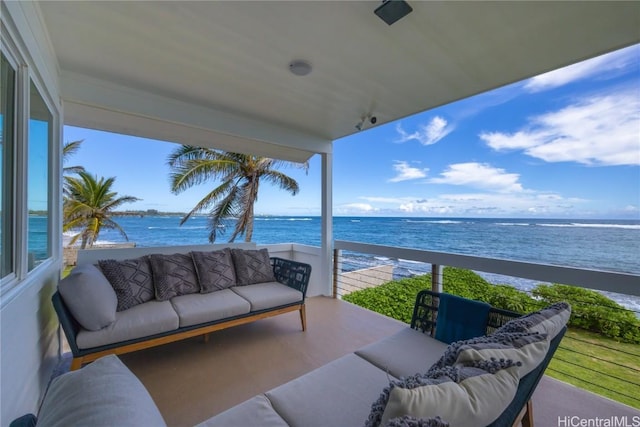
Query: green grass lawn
<point x="600" y="365"/>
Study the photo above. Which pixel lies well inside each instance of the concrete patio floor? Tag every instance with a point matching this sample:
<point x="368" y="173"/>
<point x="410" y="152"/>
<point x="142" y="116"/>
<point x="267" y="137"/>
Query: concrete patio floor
<point x="193" y="380"/>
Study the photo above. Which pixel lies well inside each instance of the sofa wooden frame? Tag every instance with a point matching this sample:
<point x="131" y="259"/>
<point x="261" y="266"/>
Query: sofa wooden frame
<point x="290" y="273"/>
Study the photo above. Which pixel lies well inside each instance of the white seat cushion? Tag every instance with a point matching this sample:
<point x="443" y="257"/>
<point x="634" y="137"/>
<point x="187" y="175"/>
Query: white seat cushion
<point x="337" y="394"/>
<point x="255" y="412"/>
<point x="263" y="296"/>
<point x="193" y="309"/>
<point x="405" y="353"/>
<point x="142" y="320"/>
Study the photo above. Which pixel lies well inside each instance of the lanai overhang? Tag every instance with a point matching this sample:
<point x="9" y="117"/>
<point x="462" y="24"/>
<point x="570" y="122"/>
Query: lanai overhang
<point x="216" y="74"/>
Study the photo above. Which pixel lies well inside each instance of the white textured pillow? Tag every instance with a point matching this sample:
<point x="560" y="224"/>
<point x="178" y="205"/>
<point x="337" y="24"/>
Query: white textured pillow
<point x="475" y="401"/>
<point x="466" y="396"/>
<point x="527" y="348"/>
<point x="102" y="394"/>
<point x="90" y="297"/>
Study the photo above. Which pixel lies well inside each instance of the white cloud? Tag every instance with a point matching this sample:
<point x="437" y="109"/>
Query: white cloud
<point x="355" y="208"/>
<point x="392" y="200"/>
<point x="601" y="65"/>
<point x="404" y="172"/>
<point x="479" y="175"/>
<point x="427" y="134"/>
<point x="599" y="130"/>
<point x="474" y="204"/>
<point x="490" y="204"/>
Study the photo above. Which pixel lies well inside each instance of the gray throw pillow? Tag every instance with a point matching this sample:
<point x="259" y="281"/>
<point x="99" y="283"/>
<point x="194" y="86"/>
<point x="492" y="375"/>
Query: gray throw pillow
<point x="173" y="275"/>
<point x="215" y="270"/>
<point x="252" y="266"/>
<point x="103" y="393"/>
<point x="89" y="296"/>
<point x="549" y="321"/>
<point x="131" y="279"/>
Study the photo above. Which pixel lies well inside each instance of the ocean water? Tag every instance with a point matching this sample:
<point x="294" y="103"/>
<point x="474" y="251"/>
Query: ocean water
<point x="611" y="245"/>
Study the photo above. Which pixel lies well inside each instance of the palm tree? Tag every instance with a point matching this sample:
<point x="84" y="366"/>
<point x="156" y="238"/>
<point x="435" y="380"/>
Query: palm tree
<point x="69" y="149"/>
<point x="88" y="205"/>
<point x="239" y="176"/>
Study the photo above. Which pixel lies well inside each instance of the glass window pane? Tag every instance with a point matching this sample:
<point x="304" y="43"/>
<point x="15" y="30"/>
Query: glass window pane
<point x="7" y="111"/>
<point x="40" y="133"/>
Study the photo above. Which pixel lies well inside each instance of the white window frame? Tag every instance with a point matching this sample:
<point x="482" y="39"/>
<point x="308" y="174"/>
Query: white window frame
<point x="12" y="284"/>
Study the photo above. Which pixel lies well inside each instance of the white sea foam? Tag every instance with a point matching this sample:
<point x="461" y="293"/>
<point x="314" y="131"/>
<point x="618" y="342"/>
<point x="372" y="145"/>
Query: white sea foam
<point x="434" y="221"/>
<point x="585" y="225"/>
<point x="281" y="219"/>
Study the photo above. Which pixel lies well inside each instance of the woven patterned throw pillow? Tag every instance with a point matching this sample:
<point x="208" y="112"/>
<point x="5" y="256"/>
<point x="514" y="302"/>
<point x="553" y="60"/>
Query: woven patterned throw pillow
<point x="252" y="266"/>
<point x="131" y="280"/>
<point x="173" y="275"/>
<point x="215" y="270"/>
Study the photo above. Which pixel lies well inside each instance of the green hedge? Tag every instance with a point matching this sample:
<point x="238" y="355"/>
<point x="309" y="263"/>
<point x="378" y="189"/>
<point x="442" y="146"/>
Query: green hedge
<point x="590" y="310"/>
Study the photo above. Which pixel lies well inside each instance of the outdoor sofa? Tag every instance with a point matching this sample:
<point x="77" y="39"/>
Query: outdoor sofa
<point x="407" y="379"/>
<point x="145" y="297"/>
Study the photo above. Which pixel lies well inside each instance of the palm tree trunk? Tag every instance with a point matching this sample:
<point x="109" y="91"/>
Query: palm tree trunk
<point x="249" y="231"/>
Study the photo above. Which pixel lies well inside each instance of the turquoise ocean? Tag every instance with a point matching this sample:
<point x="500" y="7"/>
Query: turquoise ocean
<point x="611" y="245"/>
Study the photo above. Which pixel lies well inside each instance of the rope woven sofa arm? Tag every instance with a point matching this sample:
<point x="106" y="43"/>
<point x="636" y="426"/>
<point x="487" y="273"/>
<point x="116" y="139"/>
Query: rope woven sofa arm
<point x="292" y="273"/>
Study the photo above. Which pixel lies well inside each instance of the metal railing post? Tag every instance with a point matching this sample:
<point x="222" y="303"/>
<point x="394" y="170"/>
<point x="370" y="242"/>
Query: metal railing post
<point x="436" y="278"/>
<point x="336" y="266"/>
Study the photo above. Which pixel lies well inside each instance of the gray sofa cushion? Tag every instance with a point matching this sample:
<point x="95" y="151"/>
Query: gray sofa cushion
<point x="199" y="308"/>
<point x="90" y="297"/>
<point x="404" y="353"/>
<point x="173" y="275"/>
<point x="252" y="266"/>
<point x="152" y="317"/>
<point x="215" y="270"/>
<point x="102" y="394"/>
<point x="263" y="296"/>
<point x="337" y="394"/>
<point x="131" y="279"/>
<point x="255" y="412"/>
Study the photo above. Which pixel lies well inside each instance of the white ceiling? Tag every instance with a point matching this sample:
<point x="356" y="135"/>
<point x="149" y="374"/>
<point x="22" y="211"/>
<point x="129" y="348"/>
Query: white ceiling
<point x="232" y="58"/>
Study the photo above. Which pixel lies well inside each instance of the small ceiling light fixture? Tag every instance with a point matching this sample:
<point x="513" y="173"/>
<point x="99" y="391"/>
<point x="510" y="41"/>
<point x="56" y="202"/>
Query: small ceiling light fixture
<point x="392" y="10"/>
<point x="300" y="67"/>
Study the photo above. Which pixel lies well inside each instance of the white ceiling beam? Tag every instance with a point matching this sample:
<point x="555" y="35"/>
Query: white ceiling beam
<point x="98" y="104"/>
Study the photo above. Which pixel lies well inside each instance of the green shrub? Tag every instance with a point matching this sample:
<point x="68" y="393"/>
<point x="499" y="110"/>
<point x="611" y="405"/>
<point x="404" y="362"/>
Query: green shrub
<point x="593" y="311"/>
<point x="465" y="283"/>
<point x="393" y="299"/>
<point x="509" y="298"/>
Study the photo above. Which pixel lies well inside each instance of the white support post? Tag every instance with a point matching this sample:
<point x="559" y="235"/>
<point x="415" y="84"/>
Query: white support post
<point x="326" y="272"/>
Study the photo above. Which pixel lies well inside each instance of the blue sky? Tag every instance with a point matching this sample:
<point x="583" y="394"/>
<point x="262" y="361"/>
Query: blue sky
<point x="565" y="144"/>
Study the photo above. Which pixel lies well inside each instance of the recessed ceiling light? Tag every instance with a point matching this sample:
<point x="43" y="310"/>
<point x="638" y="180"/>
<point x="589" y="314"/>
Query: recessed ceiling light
<point x="300" y="67"/>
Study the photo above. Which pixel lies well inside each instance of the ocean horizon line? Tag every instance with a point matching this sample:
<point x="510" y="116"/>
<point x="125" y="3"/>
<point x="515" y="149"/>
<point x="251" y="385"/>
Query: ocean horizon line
<point x="263" y="215"/>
